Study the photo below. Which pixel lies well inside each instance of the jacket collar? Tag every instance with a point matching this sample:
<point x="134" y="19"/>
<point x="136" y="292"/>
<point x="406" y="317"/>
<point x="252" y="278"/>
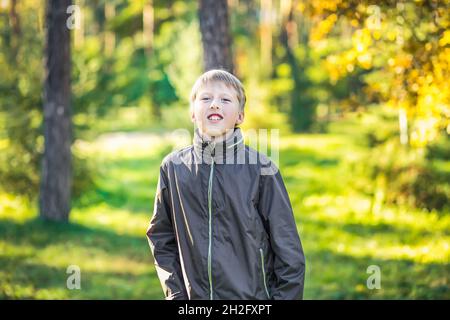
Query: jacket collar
<point x="221" y="152"/>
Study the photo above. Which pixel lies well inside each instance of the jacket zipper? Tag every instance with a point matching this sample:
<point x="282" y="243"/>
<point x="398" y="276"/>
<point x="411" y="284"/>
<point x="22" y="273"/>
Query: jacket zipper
<point x="264" y="272"/>
<point x="210" y="229"/>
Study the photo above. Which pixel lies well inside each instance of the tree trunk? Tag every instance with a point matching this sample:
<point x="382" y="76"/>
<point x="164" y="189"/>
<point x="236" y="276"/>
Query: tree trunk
<point x="265" y="34"/>
<point x="15" y="28"/>
<point x="302" y="105"/>
<point x="148" y="26"/>
<point x="109" y="37"/>
<point x="56" y="174"/>
<point x="216" y="38"/>
<point x="78" y="32"/>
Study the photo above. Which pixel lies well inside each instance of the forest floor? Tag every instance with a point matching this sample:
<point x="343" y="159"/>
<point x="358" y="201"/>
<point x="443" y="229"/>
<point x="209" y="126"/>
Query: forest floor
<point x="341" y="235"/>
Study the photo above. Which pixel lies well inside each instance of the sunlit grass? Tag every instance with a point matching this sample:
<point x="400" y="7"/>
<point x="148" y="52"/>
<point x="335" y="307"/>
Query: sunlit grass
<point x="342" y="236"/>
<point x="105" y="237"/>
<point x="122" y="222"/>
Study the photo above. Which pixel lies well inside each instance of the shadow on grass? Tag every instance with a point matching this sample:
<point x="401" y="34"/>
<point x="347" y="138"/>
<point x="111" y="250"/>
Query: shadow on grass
<point x="39" y="234"/>
<point x="332" y="275"/>
<point x="338" y="275"/>
<point x="22" y="277"/>
<point x="31" y="279"/>
<point x="126" y="183"/>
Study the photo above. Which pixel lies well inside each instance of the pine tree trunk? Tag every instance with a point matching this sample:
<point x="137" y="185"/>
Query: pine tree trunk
<point x="148" y="25"/>
<point x="15" y="27"/>
<point x="56" y="164"/>
<point x="265" y="34"/>
<point x="109" y="36"/>
<point x="302" y="105"/>
<point x="78" y="32"/>
<point x="216" y="38"/>
<point x="403" y="126"/>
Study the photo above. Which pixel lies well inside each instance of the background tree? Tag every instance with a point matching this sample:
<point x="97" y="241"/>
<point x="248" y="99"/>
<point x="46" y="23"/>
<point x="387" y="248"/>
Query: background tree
<point x="56" y="175"/>
<point x="216" y="38"/>
<point x="302" y="104"/>
<point x="400" y="49"/>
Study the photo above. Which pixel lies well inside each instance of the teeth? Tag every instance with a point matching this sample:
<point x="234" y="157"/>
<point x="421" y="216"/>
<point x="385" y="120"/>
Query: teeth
<point x="214" y="118"/>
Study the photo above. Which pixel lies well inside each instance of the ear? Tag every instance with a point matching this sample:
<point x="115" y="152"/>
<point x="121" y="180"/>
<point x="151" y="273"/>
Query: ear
<point x="240" y="118"/>
<point x="192" y="116"/>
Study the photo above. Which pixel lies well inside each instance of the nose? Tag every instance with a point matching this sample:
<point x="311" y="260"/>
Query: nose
<point x="214" y="104"/>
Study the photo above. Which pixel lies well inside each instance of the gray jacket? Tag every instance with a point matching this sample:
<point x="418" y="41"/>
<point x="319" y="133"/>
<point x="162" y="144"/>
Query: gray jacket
<point x="223" y="226"/>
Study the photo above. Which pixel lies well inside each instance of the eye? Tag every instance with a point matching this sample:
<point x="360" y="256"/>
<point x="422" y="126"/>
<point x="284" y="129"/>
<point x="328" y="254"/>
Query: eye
<point x="204" y="99"/>
<point x="226" y="100"/>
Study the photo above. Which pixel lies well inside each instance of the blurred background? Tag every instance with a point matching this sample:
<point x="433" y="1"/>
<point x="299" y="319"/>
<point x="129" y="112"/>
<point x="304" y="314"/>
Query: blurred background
<point x="93" y="95"/>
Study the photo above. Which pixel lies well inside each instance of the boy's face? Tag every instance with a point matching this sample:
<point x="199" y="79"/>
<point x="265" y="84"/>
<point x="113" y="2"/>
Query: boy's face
<point x="216" y="110"/>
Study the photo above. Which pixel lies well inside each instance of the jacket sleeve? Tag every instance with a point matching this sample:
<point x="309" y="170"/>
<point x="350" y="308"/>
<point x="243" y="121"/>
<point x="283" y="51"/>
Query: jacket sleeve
<point x="163" y="244"/>
<point x="289" y="260"/>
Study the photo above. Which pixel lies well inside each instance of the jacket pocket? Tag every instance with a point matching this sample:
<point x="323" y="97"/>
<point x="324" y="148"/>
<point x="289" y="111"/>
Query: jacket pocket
<point x="261" y="252"/>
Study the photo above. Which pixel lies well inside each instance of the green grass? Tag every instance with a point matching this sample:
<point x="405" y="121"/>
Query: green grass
<point x="106" y="235"/>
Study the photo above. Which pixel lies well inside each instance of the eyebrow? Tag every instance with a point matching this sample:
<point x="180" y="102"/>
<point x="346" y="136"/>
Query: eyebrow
<point x="208" y="93"/>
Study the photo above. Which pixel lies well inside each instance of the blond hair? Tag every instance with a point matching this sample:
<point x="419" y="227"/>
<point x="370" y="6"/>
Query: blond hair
<point x="220" y="76"/>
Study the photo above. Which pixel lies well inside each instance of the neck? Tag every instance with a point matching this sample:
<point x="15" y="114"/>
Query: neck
<point x="226" y="150"/>
<point x="217" y="139"/>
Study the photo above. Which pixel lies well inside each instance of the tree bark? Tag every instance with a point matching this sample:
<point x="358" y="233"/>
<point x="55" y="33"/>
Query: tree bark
<point x="56" y="176"/>
<point x="78" y="32"/>
<point x="302" y="105"/>
<point x="265" y="34"/>
<point x="216" y="38"/>
<point x="148" y="21"/>
<point x="14" y="21"/>
<point x="109" y="36"/>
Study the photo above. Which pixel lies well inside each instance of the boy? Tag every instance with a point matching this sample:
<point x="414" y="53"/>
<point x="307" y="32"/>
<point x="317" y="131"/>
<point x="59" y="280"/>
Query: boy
<point x="223" y="226"/>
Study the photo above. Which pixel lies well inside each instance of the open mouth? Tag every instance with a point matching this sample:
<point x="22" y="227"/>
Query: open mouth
<point x="215" y="117"/>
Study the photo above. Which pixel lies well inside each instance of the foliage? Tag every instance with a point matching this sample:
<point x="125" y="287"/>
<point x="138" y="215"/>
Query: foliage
<point x="398" y="174"/>
<point x="403" y="46"/>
